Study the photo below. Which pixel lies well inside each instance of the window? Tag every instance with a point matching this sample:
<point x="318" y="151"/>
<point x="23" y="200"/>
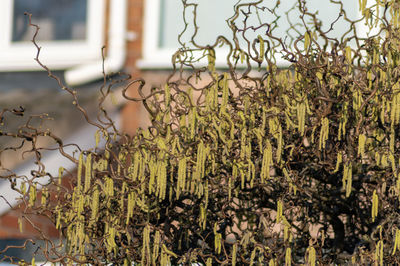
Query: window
<point x="71" y="33"/>
<point x="164" y="22"/>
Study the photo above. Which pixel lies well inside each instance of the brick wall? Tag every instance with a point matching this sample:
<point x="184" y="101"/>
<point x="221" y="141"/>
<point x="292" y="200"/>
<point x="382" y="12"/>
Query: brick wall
<point x="31" y="225"/>
<point x="131" y="112"/>
<point x="10" y="227"/>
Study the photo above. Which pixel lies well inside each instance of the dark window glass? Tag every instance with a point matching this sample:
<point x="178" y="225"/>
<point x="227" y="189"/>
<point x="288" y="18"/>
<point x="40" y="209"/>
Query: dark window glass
<point x="59" y="20"/>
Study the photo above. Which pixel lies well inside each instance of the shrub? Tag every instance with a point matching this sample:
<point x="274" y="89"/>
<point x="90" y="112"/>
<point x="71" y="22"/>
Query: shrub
<point x="252" y="165"/>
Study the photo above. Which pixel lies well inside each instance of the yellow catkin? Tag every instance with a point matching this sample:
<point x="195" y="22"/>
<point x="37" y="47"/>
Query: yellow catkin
<point x="242" y="178"/>
<point x="164" y="259"/>
<point x="217" y="239"/>
<point x="396" y="241"/>
<point x="301" y="114"/>
<point x="193" y="120"/>
<point x="392" y="140"/>
<point x="181" y="176"/>
<point x="248" y="150"/>
<point x="167" y="251"/>
<point x="97" y="138"/>
<point x="137" y="158"/>
<point x="167" y="95"/>
<point x="266" y="162"/>
<point x="279" y="211"/>
<point x="398" y="183"/>
<point x="203" y="214"/>
<point x="262" y="49"/>
<point x="259" y="135"/>
<point x="206" y="193"/>
<point x="225" y="93"/>
<point x="156" y="247"/>
<point x="60" y="175"/>
<point x="288" y="257"/>
<point x="338" y="161"/>
<point x="45" y="195"/>
<point x="153" y="172"/>
<point x="79" y="173"/>
<point x="243" y="141"/>
<point x="379" y="253"/>
<point x="292" y="187"/>
<point x="111" y="238"/>
<point x="20" y="224"/>
<point x="324" y="133"/>
<point x="280" y="145"/>
<point x="361" y="144"/>
<point x="159" y="179"/>
<point x="162" y="177"/>
<point x="23" y="187"/>
<point x="311" y="256"/>
<point x="201" y="157"/>
<point x="377" y="158"/>
<point x="349" y="180"/>
<point x="146" y="245"/>
<point x="88" y="172"/>
<point x="348" y="54"/>
<point x="230" y="185"/>
<point x="217" y="242"/>
<point x="109" y="185"/>
<point x="58" y="221"/>
<point x="131" y="205"/>
<point x="343" y="122"/>
<point x="253" y="256"/>
<point x="242" y="56"/>
<point x="374" y="211"/>
<point x="345" y="173"/>
<point x="306" y="41"/>
<point x="384" y="161"/>
<point x="251" y="173"/>
<point x="32" y="195"/>
<point x="353" y="259"/>
<point x="234" y="251"/>
<point x="95" y="203"/>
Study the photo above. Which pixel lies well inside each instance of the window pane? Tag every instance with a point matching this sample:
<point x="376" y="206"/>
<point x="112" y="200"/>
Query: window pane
<point x="58" y="19"/>
<point x="212" y="16"/>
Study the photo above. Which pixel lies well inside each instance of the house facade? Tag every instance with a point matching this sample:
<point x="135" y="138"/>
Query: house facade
<point x="72" y="34"/>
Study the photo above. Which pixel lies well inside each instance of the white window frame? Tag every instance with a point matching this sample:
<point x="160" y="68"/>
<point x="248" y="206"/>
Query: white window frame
<point x="18" y="56"/>
<point x="154" y="57"/>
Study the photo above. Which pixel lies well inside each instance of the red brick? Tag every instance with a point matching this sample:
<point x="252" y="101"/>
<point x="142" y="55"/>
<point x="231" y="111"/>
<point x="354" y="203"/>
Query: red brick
<point x="135" y="12"/>
<point x="134" y="50"/>
<point x="4" y="234"/>
<point x="29" y="229"/>
<point x="135" y="3"/>
<point x="130" y="117"/>
<point x="135" y="46"/>
<point x="9" y="221"/>
<point x="135" y="24"/>
<point x="52" y="232"/>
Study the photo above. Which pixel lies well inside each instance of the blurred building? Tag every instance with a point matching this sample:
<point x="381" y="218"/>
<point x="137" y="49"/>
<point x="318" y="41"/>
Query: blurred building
<point x="71" y="36"/>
